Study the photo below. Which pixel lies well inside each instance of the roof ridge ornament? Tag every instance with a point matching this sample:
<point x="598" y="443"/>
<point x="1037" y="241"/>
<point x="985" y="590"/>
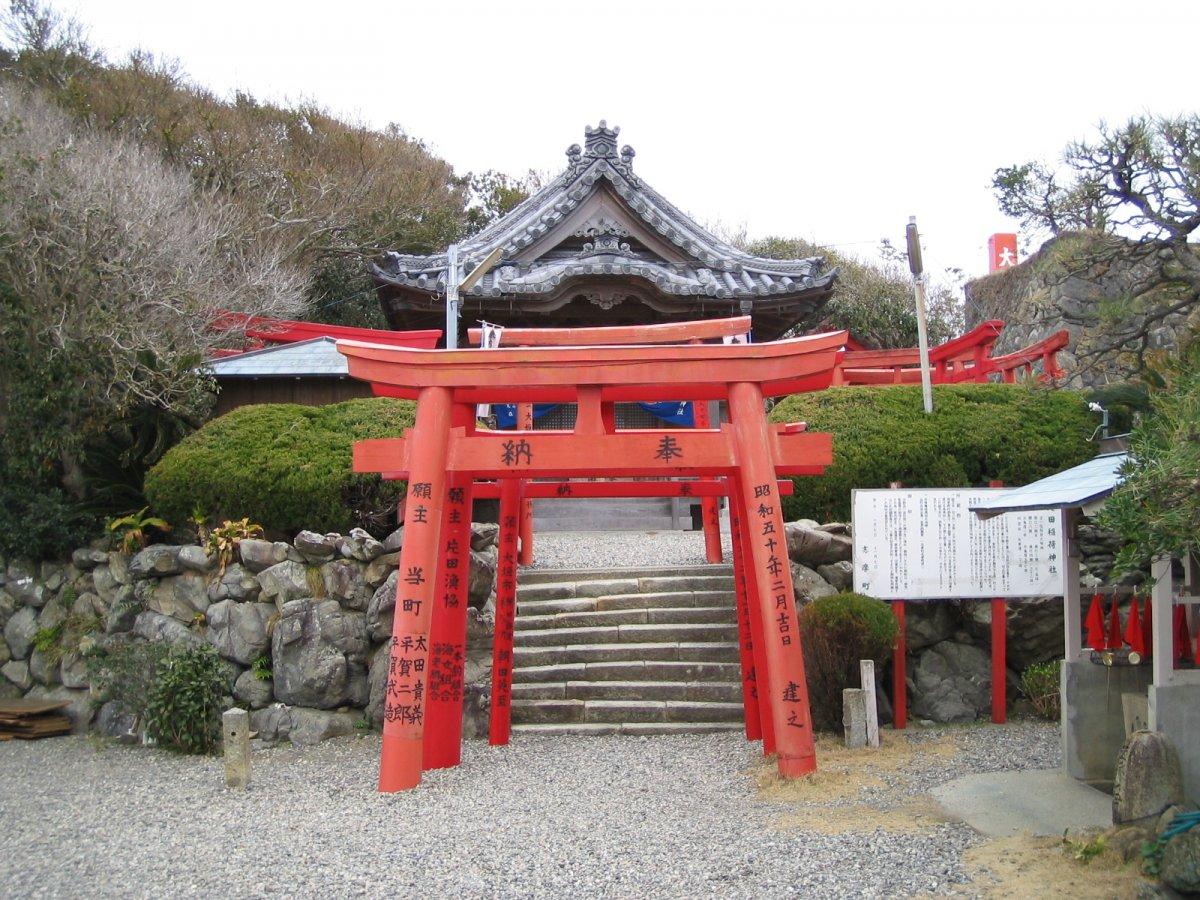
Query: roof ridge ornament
<point x="601" y="142"/>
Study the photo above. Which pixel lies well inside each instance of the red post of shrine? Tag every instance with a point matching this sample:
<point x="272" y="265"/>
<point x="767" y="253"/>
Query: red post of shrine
<point x="525" y="423"/>
<point x="500" y="723"/>
<point x="999" y="652"/>
<point x="745" y="630"/>
<point x="710" y="507"/>
<point x="404" y="703"/>
<point x="900" y="670"/>
<point x="762" y="681"/>
<point x="763" y="516"/>
<point x="448" y="629"/>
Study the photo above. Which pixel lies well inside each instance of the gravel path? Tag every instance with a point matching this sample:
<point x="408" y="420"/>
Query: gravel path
<point x="615" y="549"/>
<point x="546" y="816"/>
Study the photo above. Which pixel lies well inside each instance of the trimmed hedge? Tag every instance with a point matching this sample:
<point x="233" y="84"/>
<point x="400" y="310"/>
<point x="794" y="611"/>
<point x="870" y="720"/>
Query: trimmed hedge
<point x="285" y="466"/>
<point x="977" y="433"/>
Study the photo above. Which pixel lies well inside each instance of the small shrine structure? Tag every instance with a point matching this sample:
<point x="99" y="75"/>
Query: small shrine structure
<point x="598" y="246"/>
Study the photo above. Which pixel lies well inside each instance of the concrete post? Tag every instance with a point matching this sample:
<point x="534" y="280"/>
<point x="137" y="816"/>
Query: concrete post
<point x="235" y="728"/>
<point x="854" y="717"/>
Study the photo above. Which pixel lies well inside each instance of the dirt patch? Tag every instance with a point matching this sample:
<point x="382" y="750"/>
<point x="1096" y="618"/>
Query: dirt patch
<point x="1024" y="866"/>
<point x="856" y="790"/>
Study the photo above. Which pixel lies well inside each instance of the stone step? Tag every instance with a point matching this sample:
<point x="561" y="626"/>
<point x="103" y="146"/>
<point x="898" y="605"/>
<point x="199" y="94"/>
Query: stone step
<point x="660" y="600"/>
<point x="624" y="711"/>
<point x="608" y="521"/>
<point x="630" y="670"/>
<point x="657" y="584"/>
<point x="627" y="728"/>
<point x="686" y="651"/>
<point x="704" y="691"/>
<point x="706" y="615"/>
<point x="634" y="634"/>
<point x="540" y="576"/>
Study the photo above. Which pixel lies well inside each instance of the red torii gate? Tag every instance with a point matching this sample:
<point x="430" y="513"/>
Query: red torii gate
<point x="696" y="332"/>
<point x="444" y="455"/>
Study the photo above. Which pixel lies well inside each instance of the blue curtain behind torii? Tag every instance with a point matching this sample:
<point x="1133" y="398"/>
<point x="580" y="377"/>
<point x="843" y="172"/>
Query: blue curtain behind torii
<point x="674" y="411"/>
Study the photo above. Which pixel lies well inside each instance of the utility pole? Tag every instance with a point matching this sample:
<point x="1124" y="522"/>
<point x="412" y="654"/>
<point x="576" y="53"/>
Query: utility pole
<point x="452" y="297"/>
<point x="917" y="268"/>
<point x="454" y="285"/>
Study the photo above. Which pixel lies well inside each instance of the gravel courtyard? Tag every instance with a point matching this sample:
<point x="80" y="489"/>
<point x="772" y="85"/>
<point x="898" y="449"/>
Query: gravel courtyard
<point x="693" y="815"/>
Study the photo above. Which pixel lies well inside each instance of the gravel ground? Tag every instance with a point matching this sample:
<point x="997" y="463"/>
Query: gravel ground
<point x="546" y="816"/>
<point x="617" y="549"/>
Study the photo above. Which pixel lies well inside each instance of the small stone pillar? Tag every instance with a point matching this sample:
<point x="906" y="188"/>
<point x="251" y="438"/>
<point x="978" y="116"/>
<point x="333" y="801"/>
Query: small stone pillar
<point x="854" y="716"/>
<point x="235" y="726"/>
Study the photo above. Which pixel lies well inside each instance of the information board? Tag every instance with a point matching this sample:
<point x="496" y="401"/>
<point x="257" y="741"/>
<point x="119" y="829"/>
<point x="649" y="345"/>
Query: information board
<point x="927" y="544"/>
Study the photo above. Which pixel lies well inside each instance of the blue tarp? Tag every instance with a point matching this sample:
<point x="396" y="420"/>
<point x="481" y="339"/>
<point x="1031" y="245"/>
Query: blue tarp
<point x="674" y="411"/>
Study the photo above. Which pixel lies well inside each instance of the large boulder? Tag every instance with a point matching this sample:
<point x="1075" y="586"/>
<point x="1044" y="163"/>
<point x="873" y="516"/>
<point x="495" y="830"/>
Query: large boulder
<point x="257" y="555"/>
<point x="155" y="626"/>
<point x="19" y="632"/>
<point x="44" y="667"/>
<point x="952" y="683"/>
<point x="380" y="568"/>
<point x="123" y="611"/>
<point x="235" y="583"/>
<point x="17" y="672"/>
<point x="73" y="670"/>
<point x="112" y="721"/>
<point x="255" y="692"/>
<point x="926" y="624"/>
<point x="105" y="584"/>
<point x="318" y="655"/>
<point x="279" y="722"/>
<point x="196" y="559"/>
<point x="88" y="558"/>
<point x="156" y="561"/>
<point x="79" y="704"/>
<point x="484" y="535"/>
<point x="1148" y="778"/>
<point x="838" y="574"/>
<point x="21" y="580"/>
<point x="482" y="577"/>
<point x="316" y="548"/>
<point x="345" y="582"/>
<point x="1180" y="866"/>
<point x="813" y="547"/>
<point x="382" y="609"/>
<point x="1034" y="627"/>
<point x="358" y="544"/>
<point x="52" y="616"/>
<point x="808" y="586"/>
<point x="183" y="597"/>
<point x="239" y="630"/>
<point x="285" y="581"/>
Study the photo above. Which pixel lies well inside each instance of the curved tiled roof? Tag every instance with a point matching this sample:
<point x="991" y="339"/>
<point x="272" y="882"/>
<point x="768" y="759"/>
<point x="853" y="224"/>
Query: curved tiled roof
<point x="706" y="266"/>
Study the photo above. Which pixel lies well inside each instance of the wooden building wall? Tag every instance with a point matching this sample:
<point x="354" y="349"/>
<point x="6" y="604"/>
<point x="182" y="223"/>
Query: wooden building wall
<point x="235" y="392"/>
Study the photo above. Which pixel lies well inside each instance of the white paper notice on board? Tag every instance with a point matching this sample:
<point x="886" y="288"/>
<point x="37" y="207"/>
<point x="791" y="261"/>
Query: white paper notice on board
<point x="926" y="544"/>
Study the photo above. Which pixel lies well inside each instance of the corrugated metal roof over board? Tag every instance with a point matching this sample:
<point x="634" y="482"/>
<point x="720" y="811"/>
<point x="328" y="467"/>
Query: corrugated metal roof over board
<point x="1078" y="486"/>
<point x="317" y="357"/>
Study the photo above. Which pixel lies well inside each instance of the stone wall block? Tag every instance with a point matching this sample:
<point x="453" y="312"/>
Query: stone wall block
<point x="17" y="672"/>
<point x="155" y="626"/>
<point x="952" y="683"/>
<point x="285" y="581"/>
<point x="235" y="583"/>
<point x="19" y="632"/>
<point x="252" y="690"/>
<point x="183" y="597"/>
<point x="258" y="555"/>
<point x="156" y="561"/>
<point x="239" y="630"/>
<point x="318" y="655"/>
<point x="345" y="581"/>
<point x="44" y="668"/>
<point x="808" y="586"/>
<point x="382" y="608"/>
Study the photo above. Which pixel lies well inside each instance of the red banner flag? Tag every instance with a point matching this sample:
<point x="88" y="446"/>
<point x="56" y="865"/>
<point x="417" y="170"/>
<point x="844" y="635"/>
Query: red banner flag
<point x="1183" y="638"/>
<point x="1114" y="626"/>
<point x="1133" y="629"/>
<point x="1095" y="624"/>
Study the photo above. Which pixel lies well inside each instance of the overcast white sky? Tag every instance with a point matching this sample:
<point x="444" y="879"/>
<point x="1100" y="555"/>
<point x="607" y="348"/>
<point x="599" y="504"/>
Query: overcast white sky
<point x="833" y="121"/>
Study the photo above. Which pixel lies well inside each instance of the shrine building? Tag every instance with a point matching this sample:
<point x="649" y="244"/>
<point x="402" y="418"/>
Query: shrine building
<point x="598" y="246"/>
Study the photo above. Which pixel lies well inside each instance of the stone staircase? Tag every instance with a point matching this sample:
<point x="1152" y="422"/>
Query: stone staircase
<point x="616" y="514"/>
<point x="629" y="651"/>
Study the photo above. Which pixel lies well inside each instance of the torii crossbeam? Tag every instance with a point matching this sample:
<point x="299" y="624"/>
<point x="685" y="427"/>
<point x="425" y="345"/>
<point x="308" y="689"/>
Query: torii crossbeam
<point x="443" y="455"/>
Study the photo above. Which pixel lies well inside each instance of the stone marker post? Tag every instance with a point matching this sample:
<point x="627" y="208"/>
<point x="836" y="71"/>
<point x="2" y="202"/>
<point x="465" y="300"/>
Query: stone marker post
<point x="866" y="669"/>
<point x="854" y="717"/>
<point x="235" y="725"/>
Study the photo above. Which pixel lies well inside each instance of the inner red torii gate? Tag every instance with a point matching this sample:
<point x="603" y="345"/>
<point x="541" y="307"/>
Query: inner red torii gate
<point x="444" y="455"/>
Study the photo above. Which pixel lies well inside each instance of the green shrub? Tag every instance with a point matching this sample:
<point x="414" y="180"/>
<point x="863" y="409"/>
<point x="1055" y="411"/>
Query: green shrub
<point x="1040" y="683"/>
<point x="183" y="710"/>
<point x="284" y="466"/>
<point x="837" y="632"/>
<point x="124" y="672"/>
<point x="977" y="432"/>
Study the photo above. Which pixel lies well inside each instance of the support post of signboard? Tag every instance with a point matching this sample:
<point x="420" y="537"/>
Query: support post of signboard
<point x="900" y="670"/>
<point x="999" y="661"/>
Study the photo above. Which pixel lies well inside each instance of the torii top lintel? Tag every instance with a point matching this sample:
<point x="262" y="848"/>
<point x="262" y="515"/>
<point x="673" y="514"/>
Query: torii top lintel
<point x="620" y="373"/>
